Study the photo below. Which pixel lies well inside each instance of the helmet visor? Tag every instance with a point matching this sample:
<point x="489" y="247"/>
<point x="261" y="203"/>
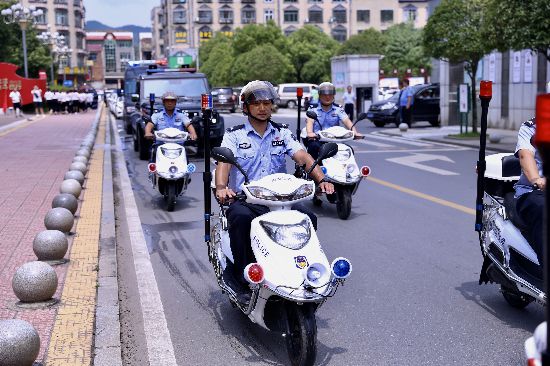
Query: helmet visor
<point x="327" y="92"/>
<point x="261" y="94"/>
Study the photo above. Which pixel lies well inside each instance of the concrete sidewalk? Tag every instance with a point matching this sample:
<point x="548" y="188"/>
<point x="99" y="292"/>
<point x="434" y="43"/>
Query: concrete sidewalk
<point x="36" y="157"/>
<point x="506" y="143"/>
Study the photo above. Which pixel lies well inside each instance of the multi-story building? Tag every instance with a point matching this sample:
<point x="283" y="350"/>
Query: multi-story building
<point x="184" y="24"/>
<point x="145" y="49"/>
<point x="66" y="17"/>
<point x="111" y="50"/>
<point x="157" y="28"/>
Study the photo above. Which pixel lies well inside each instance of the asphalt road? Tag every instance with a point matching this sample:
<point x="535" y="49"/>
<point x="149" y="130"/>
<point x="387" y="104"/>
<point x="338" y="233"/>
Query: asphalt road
<point x="413" y="297"/>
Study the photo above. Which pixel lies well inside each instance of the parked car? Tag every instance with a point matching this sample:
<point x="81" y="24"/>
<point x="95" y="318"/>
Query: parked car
<point x="188" y="86"/>
<point x="287" y="94"/>
<point x="223" y="99"/>
<point x="425" y="107"/>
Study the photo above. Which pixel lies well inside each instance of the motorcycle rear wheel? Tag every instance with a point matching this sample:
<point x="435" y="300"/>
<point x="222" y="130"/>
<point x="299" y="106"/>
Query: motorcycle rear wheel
<point x="301" y="335"/>
<point x="516" y="300"/>
<point x="171" y="196"/>
<point x="343" y="204"/>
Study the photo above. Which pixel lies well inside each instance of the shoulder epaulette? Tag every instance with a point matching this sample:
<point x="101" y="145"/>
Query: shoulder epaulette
<point x="235" y="128"/>
<point x="337" y="105"/>
<point x="531" y="123"/>
<point x="278" y="126"/>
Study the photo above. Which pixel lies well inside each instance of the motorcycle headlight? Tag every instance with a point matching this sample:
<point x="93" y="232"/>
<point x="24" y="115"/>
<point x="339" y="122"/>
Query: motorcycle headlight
<point x="293" y="236"/>
<point x="388" y="105"/>
<point x="327" y="135"/>
<point x="171" y="153"/>
<point x="162" y="135"/>
<point x="348" y="135"/>
<point x="180" y="136"/>
<point x="343" y="155"/>
<point x="263" y="193"/>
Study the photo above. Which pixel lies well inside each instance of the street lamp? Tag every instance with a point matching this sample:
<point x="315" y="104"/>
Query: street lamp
<point x="53" y="40"/>
<point x="24" y="16"/>
<point x="62" y="52"/>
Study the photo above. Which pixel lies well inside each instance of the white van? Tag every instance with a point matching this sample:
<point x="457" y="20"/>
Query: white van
<point x="287" y="94"/>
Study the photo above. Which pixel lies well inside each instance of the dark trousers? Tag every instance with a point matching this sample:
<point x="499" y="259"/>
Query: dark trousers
<point x="348" y="108"/>
<point x="313" y="147"/>
<point x="405" y="115"/>
<point x="530" y="208"/>
<point x="239" y="217"/>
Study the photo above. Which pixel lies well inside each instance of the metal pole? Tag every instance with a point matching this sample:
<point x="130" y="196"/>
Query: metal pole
<point x="24" y="34"/>
<point x="206" y="101"/>
<point x="299" y="94"/>
<point x="485" y="96"/>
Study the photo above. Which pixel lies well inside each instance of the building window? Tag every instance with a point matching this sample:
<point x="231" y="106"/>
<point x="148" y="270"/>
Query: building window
<point x="386" y="16"/>
<point x="291" y="15"/>
<point x="339" y="14"/>
<point x="290" y="1"/>
<point x="338" y="1"/>
<point x="315" y="15"/>
<point x="179" y="14"/>
<point x="205" y="15"/>
<point x="226" y="15"/>
<point x="268" y="15"/>
<point x="339" y="33"/>
<point x="110" y="55"/>
<point x="205" y="33"/>
<point x="126" y="44"/>
<point x="181" y="35"/>
<point x="315" y="1"/>
<point x="42" y="19"/>
<point x="61" y="17"/>
<point x="248" y="15"/>
<point x="289" y="30"/>
<point x="409" y="13"/>
<point x="66" y="37"/>
<point x="92" y="56"/>
<point x="80" y="42"/>
<point x="124" y="58"/>
<point x="226" y="30"/>
<point x="179" y="1"/>
<point x="78" y="19"/>
<point x="363" y="16"/>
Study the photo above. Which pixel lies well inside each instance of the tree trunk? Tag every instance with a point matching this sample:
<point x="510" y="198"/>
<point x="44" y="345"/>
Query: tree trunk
<point x="474" y="94"/>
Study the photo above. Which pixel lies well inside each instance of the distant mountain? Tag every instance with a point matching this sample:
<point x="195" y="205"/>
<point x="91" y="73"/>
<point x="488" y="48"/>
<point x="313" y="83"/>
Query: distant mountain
<point x="95" y="26"/>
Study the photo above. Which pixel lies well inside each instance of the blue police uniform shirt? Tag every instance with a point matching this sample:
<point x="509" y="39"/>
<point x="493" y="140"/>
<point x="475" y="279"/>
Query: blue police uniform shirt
<point x="405" y="93"/>
<point x="525" y="134"/>
<point x="258" y="155"/>
<point x="162" y="120"/>
<point x="329" y="118"/>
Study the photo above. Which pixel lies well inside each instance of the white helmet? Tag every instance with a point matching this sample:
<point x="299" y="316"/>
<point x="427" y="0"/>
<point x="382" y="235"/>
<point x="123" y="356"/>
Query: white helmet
<point x="258" y="90"/>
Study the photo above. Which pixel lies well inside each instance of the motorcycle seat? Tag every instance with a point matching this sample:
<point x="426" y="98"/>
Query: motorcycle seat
<point x="510" y="166"/>
<point x="512" y="213"/>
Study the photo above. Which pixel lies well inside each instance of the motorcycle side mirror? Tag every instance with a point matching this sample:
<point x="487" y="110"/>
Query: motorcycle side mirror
<point x="360" y="117"/>
<point x="327" y="150"/>
<point x="225" y="155"/>
<point x="196" y="120"/>
<point x="312" y="115"/>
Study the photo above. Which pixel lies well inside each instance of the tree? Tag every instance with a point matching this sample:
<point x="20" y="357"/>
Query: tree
<point x="12" y="47"/>
<point x="403" y="49"/>
<point x="219" y="65"/>
<point x="310" y="51"/>
<point x="518" y="24"/>
<point x="368" y="42"/>
<point x="253" y="35"/>
<point x="263" y="62"/>
<point x="205" y="49"/>
<point x="453" y="34"/>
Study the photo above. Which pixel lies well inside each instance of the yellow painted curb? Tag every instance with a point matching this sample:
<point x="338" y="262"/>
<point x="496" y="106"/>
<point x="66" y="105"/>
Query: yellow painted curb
<point x="72" y="336"/>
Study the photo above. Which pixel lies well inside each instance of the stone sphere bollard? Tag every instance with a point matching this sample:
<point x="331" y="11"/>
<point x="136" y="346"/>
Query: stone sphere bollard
<point x="83" y="152"/>
<point x="50" y="245"/>
<point x="80" y="159"/>
<point x="65" y="200"/>
<point x="34" y="282"/>
<point x="495" y="139"/>
<point x="59" y="218"/>
<point x="403" y="127"/>
<point x="71" y="186"/>
<point x="76" y="175"/>
<point x="79" y="166"/>
<point x="19" y="343"/>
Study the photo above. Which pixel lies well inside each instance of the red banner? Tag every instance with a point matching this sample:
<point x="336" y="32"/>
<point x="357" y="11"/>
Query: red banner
<point x="9" y="80"/>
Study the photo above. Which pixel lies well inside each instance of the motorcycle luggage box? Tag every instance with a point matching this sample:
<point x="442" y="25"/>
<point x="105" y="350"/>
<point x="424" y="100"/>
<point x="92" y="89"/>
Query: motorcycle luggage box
<point x="501" y="174"/>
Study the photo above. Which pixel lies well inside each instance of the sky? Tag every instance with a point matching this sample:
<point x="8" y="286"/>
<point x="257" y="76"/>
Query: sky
<point x="116" y="13"/>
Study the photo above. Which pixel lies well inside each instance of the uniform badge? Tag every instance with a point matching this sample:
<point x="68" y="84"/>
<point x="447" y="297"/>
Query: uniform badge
<point x="301" y="261"/>
<point x="277" y="142"/>
<point x="334" y="115"/>
<point x="244" y="145"/>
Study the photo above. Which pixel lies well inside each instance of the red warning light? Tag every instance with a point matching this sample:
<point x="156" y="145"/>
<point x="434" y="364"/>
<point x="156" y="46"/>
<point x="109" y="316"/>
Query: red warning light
<point x="542" y="135"/>
<point x="299" y="92"/>
<point x="486" y="89"/>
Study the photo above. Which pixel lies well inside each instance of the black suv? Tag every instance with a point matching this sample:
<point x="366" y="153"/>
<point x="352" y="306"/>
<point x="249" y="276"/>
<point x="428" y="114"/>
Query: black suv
<point x="188" y="86"/>
<point x="424" y="108"/>
<point x="223" y="98"/>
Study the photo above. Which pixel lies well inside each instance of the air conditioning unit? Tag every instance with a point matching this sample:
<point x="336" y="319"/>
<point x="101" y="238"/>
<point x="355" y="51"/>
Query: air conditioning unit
<point x="306" y="20"/>
<point x="197" y="19"/>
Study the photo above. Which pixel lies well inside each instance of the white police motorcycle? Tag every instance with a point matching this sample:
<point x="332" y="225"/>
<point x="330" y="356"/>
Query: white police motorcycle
<point x="170" y="172"/>
<point x="509" y="260"/>
<point x="292" y="277"/>
<point x="341" y="169"/>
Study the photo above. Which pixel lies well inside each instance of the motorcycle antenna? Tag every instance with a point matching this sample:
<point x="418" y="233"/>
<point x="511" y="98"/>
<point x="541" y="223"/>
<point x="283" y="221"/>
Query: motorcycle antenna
<point x="542" y="140"/>
<point x="485" y="94"/>
<point x="151" y="104"/>
<point x="299" y="95"/>
<point x="206" y="106"/>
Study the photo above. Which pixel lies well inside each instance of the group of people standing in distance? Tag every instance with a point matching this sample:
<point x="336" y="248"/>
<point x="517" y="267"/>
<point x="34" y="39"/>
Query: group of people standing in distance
<point x="57" y="102"/>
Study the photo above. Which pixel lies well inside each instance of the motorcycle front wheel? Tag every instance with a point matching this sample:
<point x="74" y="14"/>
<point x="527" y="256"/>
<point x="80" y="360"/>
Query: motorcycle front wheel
<point x="301" y="334"/>
<point x="171" y="196"/>
<point x="343" y="203"/>
<point x="515" y="299"/>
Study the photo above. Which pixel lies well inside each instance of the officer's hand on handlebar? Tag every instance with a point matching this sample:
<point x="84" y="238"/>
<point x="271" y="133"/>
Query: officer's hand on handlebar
<point x="193" y="136"/>
<point x="326" y="187"/>
<point x="311" y="135"/>
<point x="540" y="183"/>
<point x="149" y="136"/>
<point x="358" y="135"/>
<point x="224" y="194"/>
